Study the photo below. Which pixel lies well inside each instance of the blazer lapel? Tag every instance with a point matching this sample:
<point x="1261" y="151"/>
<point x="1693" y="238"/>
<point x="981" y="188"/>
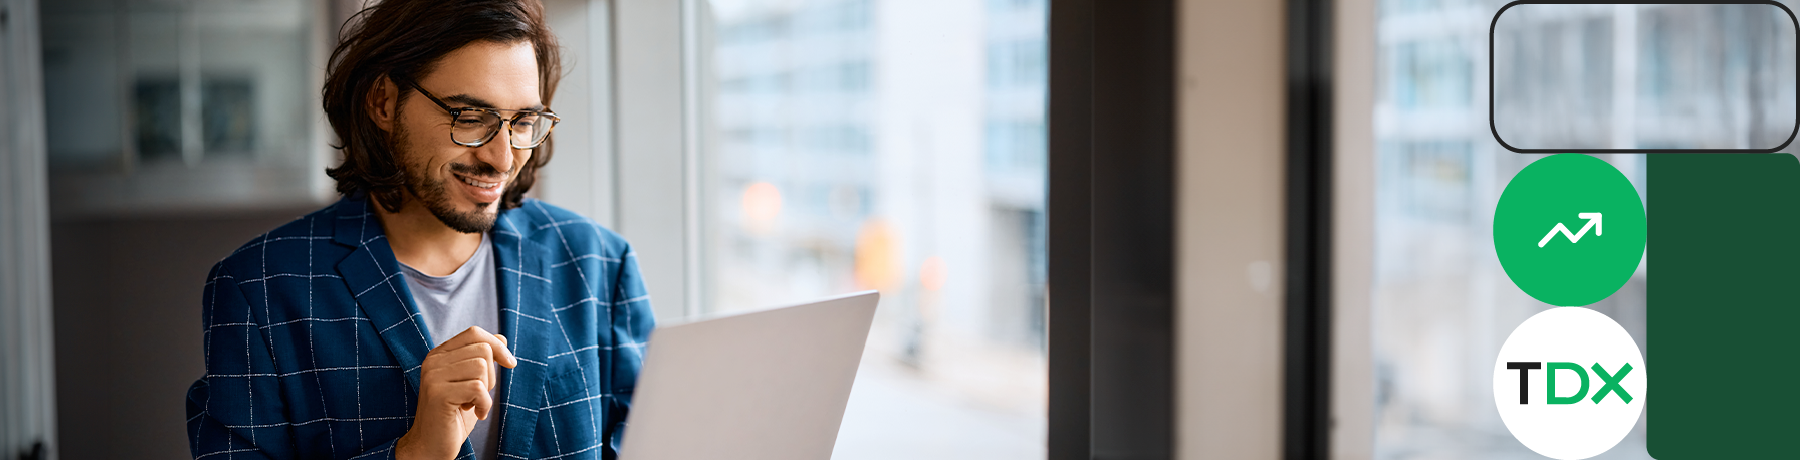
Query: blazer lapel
<point x="373" y="276"/>
<point x="525" y="315"/>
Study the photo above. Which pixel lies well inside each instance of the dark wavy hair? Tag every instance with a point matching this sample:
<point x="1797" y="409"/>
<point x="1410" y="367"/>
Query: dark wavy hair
<point x="403" y="39"/>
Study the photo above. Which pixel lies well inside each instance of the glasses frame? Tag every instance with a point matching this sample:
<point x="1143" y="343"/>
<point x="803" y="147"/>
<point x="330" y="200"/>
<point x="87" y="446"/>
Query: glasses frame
<point x="505" y="123"/>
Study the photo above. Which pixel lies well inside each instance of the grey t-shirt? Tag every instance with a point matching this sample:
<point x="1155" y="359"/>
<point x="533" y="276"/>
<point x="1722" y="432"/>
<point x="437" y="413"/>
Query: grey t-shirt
<point x="452" y="303"/>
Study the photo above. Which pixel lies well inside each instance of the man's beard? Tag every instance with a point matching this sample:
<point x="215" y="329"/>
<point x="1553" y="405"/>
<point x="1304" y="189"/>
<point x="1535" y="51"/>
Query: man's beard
<point x="434" y="193"/>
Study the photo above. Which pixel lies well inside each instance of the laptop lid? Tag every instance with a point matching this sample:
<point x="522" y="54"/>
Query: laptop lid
<point x="770" y="384"/>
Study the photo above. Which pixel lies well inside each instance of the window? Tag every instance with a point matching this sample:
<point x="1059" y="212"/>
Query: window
<point x="896" y="146"/>
<point x="175" y="103"/>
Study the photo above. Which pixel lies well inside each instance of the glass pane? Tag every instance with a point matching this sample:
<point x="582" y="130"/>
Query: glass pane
<point x="154" y="55"/>
<point x="255" y="78"/>
<point x="1663" y="77"/>
<point x="1442" y="304"/>
<point x="899" y="146"/>
<point x="176" y="81"/>
<point x="85" y="101"/>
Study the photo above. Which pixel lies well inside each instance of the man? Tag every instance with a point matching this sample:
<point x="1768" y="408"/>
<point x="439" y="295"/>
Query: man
<point x="432" y="312"/>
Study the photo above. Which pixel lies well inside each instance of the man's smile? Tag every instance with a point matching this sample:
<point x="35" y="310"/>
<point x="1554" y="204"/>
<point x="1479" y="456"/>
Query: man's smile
<point x="479" y="183"/>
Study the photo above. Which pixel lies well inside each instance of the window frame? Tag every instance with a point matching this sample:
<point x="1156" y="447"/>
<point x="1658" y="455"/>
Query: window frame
<point x="655" y="167"/>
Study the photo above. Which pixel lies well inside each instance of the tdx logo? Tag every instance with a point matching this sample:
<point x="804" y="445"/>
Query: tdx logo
<point x="1609" y="383"/>
<point x="1569" y="383"/>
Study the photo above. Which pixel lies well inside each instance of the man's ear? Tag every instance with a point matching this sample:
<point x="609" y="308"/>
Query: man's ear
<point x="382" y="103"/>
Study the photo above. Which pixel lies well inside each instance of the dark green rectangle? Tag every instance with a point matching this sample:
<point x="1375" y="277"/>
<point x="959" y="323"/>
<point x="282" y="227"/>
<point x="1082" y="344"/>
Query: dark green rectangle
<point x="1724" y="249"/>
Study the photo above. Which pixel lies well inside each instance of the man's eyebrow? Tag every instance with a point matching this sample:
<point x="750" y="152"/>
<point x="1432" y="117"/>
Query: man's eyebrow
<point x="473" y="101"/>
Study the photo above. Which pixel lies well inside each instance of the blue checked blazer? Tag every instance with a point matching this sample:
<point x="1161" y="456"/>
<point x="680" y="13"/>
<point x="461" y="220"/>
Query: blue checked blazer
<point x="313" y="342"/>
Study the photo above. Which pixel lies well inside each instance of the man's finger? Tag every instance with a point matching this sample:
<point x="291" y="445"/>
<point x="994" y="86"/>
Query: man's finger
<point x="470" y="395"/>
<point x="475" y="334"/>
<point x="447" y="355"/>
<point x="484" y="402"/>
<point x="472" y="369"/>
<point x="485" y="351"/>
<point x="479" y="368"/>
<point x="509" y="361"/>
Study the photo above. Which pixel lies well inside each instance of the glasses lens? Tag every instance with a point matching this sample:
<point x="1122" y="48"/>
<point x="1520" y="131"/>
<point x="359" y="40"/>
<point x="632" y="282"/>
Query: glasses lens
<point x="474" y="126"/>
<point x="530" y="130"/>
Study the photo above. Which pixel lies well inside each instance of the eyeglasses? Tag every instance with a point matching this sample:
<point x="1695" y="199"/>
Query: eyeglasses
<point x="475" y="126"/>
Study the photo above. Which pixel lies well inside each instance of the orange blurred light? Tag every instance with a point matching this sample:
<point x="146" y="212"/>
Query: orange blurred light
<point x="877" y="256"/>
<point x="762" y="204"/>
<point x="932" y="273"/>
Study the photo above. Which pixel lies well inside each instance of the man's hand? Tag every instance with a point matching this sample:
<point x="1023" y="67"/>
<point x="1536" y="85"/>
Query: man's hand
<point x="453" y="393"/>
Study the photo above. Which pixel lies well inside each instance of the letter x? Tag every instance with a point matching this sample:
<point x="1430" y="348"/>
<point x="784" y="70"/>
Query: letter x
<point x="1611" y="383"/>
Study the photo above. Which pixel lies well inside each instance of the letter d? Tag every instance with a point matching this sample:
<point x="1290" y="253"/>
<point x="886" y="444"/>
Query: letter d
<point x="1550" y="383"/>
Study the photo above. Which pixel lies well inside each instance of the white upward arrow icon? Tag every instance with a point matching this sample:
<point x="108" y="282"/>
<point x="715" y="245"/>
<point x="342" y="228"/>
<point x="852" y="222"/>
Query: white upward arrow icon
<point x="1593" y="219"/>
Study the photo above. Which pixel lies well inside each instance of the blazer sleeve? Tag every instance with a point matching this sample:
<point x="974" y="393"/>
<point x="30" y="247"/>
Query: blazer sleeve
<point x="632" y="320"/>
<point x="236" y="410"/>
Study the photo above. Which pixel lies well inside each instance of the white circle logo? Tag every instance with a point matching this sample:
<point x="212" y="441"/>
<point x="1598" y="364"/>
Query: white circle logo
<point x="1569" y="383"/>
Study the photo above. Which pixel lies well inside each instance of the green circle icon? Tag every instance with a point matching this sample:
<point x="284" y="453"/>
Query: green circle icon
<point x="1569" y="230"/>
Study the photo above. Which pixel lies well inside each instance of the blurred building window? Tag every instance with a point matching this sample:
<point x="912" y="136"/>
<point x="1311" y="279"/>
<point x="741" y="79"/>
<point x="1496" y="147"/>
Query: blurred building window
<point x="898" y="146"/>
<point x="1665" y="76"/>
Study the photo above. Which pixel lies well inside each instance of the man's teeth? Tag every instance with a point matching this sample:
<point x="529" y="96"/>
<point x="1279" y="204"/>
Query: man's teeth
<point x="479" y="184"/>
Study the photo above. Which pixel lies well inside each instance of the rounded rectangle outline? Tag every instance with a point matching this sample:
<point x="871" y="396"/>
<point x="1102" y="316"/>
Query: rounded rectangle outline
<point x="1496" y="22"/>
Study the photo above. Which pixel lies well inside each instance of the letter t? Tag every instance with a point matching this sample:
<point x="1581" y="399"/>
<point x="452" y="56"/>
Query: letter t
<point x="1524" y="378"/>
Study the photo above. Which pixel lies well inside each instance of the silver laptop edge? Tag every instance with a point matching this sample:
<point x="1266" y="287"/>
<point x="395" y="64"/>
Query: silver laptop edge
<point x="769" y="384"/>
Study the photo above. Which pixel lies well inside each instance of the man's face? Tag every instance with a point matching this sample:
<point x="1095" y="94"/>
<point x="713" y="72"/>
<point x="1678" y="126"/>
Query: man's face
<point x="460" y="185"/>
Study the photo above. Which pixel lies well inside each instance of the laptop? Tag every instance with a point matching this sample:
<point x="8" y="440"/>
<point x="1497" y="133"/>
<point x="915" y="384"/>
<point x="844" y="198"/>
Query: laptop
<point x="769" y="385"/>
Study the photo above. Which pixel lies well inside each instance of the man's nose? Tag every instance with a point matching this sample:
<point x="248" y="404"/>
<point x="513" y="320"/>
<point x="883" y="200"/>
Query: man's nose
<point x="498" y="152"/>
